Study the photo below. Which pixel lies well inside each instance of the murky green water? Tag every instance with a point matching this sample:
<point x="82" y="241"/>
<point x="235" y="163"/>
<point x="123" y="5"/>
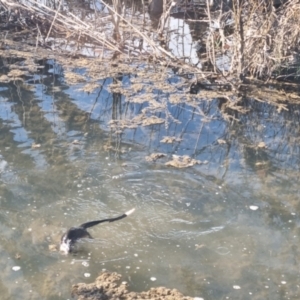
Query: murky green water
<point x="227" y="229"/>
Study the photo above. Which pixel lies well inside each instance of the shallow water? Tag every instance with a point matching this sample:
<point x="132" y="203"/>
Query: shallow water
<point x="225" y="229"/>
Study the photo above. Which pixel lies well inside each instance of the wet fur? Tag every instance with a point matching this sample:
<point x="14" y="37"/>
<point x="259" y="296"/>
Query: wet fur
<point x="69" y="239"/>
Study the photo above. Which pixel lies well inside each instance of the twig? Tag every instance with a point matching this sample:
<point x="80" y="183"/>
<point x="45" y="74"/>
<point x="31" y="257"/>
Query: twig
<point x="55" y="16"/>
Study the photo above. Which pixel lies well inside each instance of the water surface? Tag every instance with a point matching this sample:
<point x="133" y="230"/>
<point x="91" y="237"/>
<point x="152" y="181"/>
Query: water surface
<point x="224" y="229"/>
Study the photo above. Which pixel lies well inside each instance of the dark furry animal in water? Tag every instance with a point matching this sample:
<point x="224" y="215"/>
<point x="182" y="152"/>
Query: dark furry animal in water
<point x="69" y="239"/>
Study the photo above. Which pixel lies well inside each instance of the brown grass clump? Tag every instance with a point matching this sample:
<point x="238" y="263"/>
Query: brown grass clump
<point x="264" y="40"/>
<point x="108" y="286"/>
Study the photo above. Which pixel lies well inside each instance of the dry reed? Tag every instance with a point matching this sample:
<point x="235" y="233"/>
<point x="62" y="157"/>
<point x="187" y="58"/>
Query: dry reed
<point x="259" y="40"/>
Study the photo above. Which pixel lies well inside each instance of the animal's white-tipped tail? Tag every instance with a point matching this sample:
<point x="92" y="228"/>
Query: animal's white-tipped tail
<point x="130" y="212"/>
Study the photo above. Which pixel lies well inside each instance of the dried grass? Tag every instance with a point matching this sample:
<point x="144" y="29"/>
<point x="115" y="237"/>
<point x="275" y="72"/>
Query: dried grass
<point x="60" y="22"/>
<point x="264" y="40"/>
<point x="252" y="37"/>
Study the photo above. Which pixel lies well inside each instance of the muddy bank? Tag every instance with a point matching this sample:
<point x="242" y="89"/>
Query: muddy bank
<point x="108" y="286"/>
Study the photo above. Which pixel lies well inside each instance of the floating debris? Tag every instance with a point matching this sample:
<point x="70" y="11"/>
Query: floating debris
<point x="253" y="207"/>
<point x="261" y="145"/>
<point x="153" y="278"/>
<point x="35" y="146"/>
<point x="52" y="247"/>
<point x="85" y="263"/>
<point x="261" y="163"/>
<point x="170" y="139"/>
<point x="236" y="287"/>
<point x="17" y="73"/>
<point x="221" y="142"/>
<point x="87" y="275"/>
<point x="73" y="78"/>
<point x="4" y="78"/>
<point x="155" y="156"/>
<point x="90" y="87"/>
<point x="153" y="120"/>
<point x="76" y="142"/>
<point x="16" y="268"/>
<point x="197" y="246"/>
<point x="182" y="161"/>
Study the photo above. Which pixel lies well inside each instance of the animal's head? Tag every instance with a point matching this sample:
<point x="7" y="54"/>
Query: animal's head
<point x="65" y="245"/>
